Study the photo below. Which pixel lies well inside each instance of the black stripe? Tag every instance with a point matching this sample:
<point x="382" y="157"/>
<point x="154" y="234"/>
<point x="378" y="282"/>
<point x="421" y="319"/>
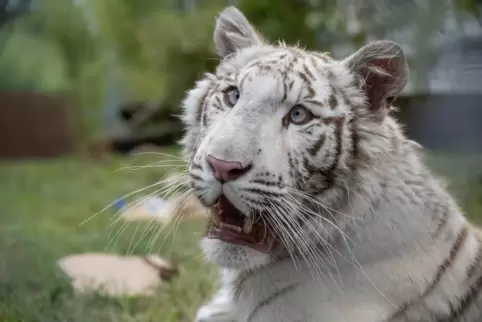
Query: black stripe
<point x="464" y="303"/>
<point x="202" y="101"/>
<point x="239" y="283"/>
<point x="308" y="73"/>
<point x="448" y="261"/>
<point x="309" y="85"/>
<point x="195" y="177"/>
<point x="476" y="263"/>
<point x="314" y="102"/>
<point x="442" y="222"/>
<point x="263" y="192"/>
<point x="442" y="268"/>
<point x="195" y="165"/>
<point x="218" y="104"/>
<point x="330" y="172"/>
<point x="333" y="101"/>
<point x="270" y="299"/>
<point x="285" y="91"/>
<point x="259" y="205"/>
<point x="313" y="62"/>
<point x="290" y="85"/>
<point x="313" y="150"/>
<point x="355" y="139"/>
<point x="267" y="183"/>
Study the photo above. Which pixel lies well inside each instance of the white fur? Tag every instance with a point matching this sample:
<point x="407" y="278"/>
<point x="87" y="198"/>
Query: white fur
<point x="378" y="221"/>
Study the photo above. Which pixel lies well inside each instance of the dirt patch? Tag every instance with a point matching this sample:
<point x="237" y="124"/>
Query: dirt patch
<point x="115" y="275"/>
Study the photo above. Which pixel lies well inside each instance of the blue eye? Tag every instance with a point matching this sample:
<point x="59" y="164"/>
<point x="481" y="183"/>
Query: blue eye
<point x="231" y="96"/>
<point x="300" y="115"/>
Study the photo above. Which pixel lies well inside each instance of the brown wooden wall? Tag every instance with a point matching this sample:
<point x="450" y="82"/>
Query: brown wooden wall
<point x="35" y="125"/>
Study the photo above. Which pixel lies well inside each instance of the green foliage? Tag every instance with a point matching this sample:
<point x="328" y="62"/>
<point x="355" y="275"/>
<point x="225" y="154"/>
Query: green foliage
<point x="472" y="7"/>
<point x="161" y="50"/>
<point x="181" y="55"/>
<point x="67" y="59"/>
<point x="65" y="26"/>
<point x="22" y="71"/>
<point x="285" y="20"/>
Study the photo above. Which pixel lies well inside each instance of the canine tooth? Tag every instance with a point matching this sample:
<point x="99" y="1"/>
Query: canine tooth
<point x="216" y="217"/>
<point x="248" y="225"/>
<point x="238" y="229"/>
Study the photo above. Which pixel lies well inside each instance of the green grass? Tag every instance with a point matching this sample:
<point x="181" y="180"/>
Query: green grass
<point x="42" y="204"/>
<point x="463" y="174"/>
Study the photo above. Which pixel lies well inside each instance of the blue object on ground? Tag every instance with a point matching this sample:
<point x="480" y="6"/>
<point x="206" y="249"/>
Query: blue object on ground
<point x="119" y="204"/>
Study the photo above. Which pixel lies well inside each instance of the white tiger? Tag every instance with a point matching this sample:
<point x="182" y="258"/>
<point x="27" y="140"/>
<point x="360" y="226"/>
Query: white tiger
<point x="322" y="210"/>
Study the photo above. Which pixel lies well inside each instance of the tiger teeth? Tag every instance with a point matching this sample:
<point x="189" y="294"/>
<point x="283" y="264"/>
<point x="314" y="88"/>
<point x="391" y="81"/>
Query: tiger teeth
<point x="233" y="227"/>
<point x="216" y="217"/>
<point x="248" y="225"/>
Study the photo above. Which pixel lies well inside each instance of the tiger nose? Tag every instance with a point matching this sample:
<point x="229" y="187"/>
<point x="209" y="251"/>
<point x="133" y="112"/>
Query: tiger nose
<point x="226" y="170"/>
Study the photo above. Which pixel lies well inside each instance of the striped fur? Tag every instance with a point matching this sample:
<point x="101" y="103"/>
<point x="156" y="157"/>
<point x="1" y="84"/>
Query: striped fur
<point x="364" y="231"/>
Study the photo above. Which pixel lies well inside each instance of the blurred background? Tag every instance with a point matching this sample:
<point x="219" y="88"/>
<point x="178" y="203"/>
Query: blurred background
<point x="89" y="90"/>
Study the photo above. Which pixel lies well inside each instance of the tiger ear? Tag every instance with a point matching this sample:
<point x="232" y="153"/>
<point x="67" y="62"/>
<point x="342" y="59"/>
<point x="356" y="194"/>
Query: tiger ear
<point x="234" y="32"/>
<point x="382" y="70"/>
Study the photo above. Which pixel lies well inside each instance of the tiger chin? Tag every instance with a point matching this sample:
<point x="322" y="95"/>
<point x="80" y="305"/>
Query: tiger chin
<point x="321" y="208"/>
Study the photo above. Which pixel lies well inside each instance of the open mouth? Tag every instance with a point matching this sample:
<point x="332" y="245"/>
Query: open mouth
<point x="231" y="225"/>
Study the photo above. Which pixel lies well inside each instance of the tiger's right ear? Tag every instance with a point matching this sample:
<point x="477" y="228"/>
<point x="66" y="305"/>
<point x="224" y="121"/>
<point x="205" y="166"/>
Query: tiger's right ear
<point x="382" y="68"/>
<point x="234" y="32"/>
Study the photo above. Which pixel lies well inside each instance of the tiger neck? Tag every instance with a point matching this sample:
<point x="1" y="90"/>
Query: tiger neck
<point x="392" y="206"/>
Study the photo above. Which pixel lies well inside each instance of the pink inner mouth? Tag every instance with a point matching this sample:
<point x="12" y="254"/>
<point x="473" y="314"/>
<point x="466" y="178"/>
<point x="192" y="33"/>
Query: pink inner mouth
<point x="231" y="225"/>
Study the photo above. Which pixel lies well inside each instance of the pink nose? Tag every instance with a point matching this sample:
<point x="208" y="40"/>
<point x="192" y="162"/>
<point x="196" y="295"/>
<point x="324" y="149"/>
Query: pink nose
<point x="226" y="170"/>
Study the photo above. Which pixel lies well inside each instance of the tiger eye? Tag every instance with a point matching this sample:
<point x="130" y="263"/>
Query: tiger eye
<point x="231" y="96"/>
<point x="300" y="115"/>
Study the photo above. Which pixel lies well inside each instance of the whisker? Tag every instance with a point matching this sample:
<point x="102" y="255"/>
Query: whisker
<point x="153" y="223"/>
<point x="172" y="178"/>
<point x="122" y="197"/>
<point x="356" y="262"/>
<point x="162" y="154"/>
<point x="171" y="221"/>
<point x="308" y="246"/>
<point x="311" y="212"/>
<point x="324" y="243"/>
<point x="130" y="251"/>
<point x="116" y="236"/>
<point x="289" y="247"/>
<point x="291" y="224"/>
<point x="158" y="164"/>
<point x="335" y="225"/>
<point x="315" y="201"/>
<point x="153" y="165"/>
<point x="133" y="204"/>
<point x="142" y="236"/>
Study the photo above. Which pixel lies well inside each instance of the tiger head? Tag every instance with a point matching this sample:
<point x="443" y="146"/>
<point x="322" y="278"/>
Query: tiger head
<point x="274" y="136"/>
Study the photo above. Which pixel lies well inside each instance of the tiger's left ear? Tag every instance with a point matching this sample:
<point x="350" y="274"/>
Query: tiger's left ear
<point x="234" y="32"/>
<point x="382" y="70"/>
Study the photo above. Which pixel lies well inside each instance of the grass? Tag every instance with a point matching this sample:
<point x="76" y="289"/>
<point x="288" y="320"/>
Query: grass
<point x="42" y="204"/>
<point x="463" y="174"/>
